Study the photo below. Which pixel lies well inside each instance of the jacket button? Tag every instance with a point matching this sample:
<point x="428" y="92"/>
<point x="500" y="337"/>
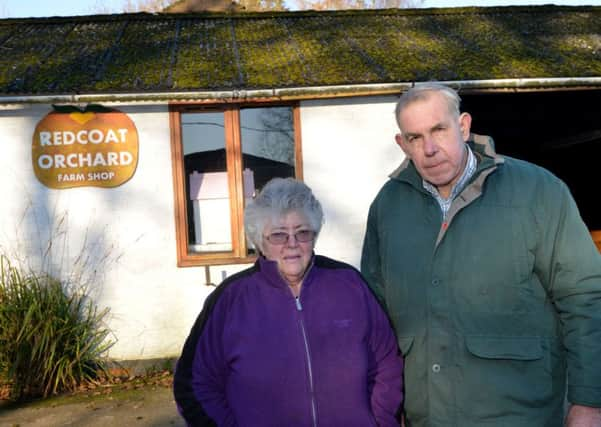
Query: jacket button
<point x="436" y="368"/>
<point x="435" y="282"/>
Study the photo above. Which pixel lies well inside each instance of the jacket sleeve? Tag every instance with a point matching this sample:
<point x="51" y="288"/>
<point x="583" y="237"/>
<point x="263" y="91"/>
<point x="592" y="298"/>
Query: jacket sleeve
<point x="569" y="264"/>
<point x="385" y="370"/>
<point x="370" y="257"/>
<point x="201" y="371"/>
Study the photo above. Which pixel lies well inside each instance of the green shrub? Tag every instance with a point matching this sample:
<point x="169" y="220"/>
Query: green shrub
<point x="52" y="338"/>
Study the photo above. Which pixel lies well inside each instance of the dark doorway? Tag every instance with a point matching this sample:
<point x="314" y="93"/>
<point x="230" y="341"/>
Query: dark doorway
<point x="559" y="130"/>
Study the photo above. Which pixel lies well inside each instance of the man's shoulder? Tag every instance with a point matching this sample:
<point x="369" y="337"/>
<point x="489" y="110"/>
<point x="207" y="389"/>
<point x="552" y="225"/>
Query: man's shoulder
<point x="526" y="183"/>
<point x="524" y="169"/>
<point x="392" y="189"/>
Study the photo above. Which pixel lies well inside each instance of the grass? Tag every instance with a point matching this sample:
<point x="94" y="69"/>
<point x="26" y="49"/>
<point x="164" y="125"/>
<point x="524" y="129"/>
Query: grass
<point x="52" y="337"/>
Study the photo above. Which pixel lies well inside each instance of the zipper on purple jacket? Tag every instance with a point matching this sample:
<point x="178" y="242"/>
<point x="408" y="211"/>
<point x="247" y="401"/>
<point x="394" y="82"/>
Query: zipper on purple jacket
<point x="299" y="307"/>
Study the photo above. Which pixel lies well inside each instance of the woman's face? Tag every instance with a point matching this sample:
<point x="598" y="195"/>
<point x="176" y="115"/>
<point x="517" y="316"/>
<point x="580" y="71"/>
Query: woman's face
<point x="292" y="256"/>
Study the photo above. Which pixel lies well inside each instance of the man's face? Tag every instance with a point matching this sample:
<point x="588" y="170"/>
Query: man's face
<point x="434" y="139"/>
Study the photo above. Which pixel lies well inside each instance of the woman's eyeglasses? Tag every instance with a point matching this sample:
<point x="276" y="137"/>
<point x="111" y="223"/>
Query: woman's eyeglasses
<point x="281" y="238"/>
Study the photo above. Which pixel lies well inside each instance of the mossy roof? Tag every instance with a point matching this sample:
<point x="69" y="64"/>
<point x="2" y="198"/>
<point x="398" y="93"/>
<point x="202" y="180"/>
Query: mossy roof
<point x="140" y="53"/>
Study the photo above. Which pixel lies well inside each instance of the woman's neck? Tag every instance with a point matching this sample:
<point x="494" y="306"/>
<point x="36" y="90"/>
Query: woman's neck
<point x="296" y="288"/>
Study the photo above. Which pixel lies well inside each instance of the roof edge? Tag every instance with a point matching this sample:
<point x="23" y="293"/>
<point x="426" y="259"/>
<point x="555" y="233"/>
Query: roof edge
<point x="297" y="13"/>
<point x="299" y="93"/>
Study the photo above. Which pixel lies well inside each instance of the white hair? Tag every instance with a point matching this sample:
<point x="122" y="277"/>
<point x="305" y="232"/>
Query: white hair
<point x="276" y="199"/>
<point x="423" y="91"/>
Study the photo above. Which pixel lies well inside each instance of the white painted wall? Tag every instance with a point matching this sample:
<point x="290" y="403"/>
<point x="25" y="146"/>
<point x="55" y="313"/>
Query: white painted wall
<point x="152" y="302"/>
<point x="348" y="153"/>
<point x="129" y="231"/>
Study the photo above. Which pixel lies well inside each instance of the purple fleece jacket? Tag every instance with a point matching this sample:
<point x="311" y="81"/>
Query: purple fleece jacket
<point x="258" y="356"/>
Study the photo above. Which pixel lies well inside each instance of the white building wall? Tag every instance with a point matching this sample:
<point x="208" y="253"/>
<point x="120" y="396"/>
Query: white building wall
<point x="129" y="232"/>
<point x="348" y="152"/>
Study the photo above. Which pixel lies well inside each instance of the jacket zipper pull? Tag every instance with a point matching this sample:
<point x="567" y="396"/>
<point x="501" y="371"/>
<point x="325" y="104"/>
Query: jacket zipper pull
<point x="299" y="307"/>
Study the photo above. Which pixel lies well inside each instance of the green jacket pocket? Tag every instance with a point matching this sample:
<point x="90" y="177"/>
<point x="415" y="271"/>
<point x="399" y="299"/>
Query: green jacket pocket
<point x="499" y="347"/>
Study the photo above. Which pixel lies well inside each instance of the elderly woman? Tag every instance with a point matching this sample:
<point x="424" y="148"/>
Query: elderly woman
<point x="295" y="340"/>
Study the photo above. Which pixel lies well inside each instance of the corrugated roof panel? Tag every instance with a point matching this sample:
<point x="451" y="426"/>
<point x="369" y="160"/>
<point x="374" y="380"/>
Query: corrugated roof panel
<point x="76" y="59"/>
<point x="27" y="47"/>
<point x="142" y="58"/>
<point x="206" y="55"/>
<point x="138" y="53"/>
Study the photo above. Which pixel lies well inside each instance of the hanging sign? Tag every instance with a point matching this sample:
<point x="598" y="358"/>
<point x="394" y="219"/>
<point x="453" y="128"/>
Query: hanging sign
<point x="94" y="147"/>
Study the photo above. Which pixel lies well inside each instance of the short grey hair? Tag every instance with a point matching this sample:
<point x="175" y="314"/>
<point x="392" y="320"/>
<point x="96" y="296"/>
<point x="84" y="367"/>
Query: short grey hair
<point x="276" y="199"/>
<point x="423" y="91"/>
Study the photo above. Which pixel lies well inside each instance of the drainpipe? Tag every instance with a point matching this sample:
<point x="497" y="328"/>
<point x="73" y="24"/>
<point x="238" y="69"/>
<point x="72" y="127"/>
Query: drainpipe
<point x="305" y="92"/>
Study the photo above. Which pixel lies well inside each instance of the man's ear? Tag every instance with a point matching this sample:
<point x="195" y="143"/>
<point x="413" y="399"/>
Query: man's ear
<point x="465" y="123"/>
<point x="401" y="143"/>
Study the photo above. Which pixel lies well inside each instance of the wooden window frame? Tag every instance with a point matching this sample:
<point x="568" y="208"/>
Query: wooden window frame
<point x="233" y="148"/>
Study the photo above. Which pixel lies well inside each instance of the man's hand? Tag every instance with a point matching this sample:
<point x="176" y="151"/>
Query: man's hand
<point x="583" y="416"/>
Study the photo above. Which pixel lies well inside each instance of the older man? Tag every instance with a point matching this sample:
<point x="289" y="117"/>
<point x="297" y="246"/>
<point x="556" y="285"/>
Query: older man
<point x="489" y="275"/>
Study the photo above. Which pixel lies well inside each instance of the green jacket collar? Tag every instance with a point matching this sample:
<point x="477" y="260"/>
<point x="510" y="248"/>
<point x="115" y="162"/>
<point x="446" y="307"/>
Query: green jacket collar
<point x="482" y="146"/>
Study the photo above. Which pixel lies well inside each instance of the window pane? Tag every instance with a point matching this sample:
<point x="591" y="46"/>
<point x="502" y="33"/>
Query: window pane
<point x="267" y="147"/>
<point x="207" y="190"/>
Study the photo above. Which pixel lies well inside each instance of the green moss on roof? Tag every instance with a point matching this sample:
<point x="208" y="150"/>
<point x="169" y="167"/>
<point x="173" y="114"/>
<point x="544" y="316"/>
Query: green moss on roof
<point x="141" y="61"/>
<point x="214" y="51"/>
<point x="206" y="57"/>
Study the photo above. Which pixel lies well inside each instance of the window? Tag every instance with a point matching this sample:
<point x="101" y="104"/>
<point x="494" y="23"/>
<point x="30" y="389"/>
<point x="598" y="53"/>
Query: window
<point x="221" y="157"/>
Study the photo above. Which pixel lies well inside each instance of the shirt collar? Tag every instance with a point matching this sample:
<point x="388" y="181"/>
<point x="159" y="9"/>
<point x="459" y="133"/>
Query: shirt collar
<point x="468" y="172"/>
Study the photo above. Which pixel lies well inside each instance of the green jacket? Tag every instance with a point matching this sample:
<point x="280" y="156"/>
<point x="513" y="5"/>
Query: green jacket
<point x="491" y="308"/>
